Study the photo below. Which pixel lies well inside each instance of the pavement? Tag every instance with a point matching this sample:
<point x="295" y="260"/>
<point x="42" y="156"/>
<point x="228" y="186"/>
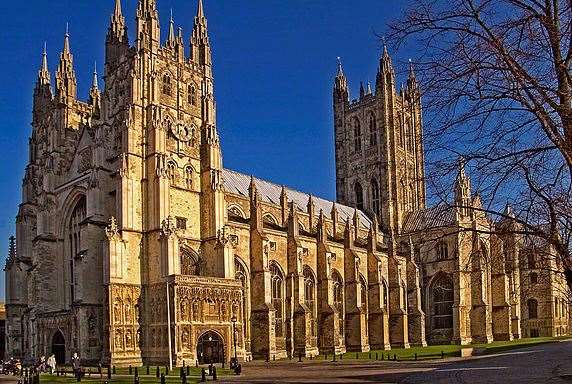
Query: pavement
<point x="546" y="363"/>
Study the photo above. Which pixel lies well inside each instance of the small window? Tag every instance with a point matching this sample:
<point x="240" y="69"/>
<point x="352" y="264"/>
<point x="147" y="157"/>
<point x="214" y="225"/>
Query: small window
<point x="531" y="261"/>
<point x="192" y="95"/>
<point x="372" y="130"/>
<point x="273" y="246"/>
<point x="167" y="89"/>
<point x="534" y="278"/>
<point x="442" y="251"/>
<point x="358" y="190"/>
<point x="172" y="172"/>
<point x="181" y="223"/>
<point x="189" y="177"/>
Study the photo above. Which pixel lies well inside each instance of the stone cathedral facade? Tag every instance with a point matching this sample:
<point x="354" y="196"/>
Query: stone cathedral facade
<point x="135" y="245"/>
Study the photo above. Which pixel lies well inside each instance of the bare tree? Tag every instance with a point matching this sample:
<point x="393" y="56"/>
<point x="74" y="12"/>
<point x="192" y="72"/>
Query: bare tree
<point x="495" y="78"/>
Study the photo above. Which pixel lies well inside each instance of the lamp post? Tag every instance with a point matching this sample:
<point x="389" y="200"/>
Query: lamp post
<point x="235" y="362"/>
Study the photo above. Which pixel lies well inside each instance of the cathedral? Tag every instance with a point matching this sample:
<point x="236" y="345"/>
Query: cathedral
<point x="134" y="245"/>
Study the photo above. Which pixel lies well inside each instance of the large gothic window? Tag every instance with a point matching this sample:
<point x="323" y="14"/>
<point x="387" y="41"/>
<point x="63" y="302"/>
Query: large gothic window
<point x="74" y="241"/>
<point x="532" y="305"/>
<point x="442" y="296"/>
<point x="357" y="135"/>
<point x="338" y="285"/>
<point x="358" y="190"/>
<point x="310" y="297"/>
<point x="278" y="299"/>
<point x="372" y="130"/>
<point x="167" y="87"/>
<point x="375" y="197"/>
<point x="384" y="296"/>
<point x="189" y="263"/>
<point x="242" y="276"/>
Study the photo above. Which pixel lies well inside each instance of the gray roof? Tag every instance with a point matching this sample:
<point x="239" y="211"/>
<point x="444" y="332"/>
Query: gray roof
<point x="435" y="217"/>
<point x="239" y="183"/>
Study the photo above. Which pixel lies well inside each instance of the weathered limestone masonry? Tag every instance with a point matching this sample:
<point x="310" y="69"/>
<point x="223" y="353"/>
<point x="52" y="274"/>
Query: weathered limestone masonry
<point x="135" y="245"/>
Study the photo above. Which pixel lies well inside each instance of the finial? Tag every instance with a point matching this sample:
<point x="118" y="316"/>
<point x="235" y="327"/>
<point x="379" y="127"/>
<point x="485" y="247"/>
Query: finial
<point x="340" y="69"/>
<point x="67" y="39"/>
<point x="117" y="12"/>
<point x="172" y="28"/>
<point x="369" y="91"/>
<point x="94" y="84"/>
<point x="200" y="9"/>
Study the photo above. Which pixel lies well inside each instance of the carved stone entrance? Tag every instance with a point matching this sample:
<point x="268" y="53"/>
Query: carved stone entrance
<point x="210" y="348"/>
<point x="59" y="347"/>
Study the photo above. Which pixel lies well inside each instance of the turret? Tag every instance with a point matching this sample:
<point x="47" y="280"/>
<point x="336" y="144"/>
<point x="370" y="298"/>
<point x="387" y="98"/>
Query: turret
<point x="66" y="84"/>
<point x="175" y="42"/>
<point x="385" y="74"/>
<point x="200" y="45"/>
<point x="43" y="89"/>
<point x="148" y="29"/>
<point x="341" y="93"/>
<point x="117" y="40"/>
<point x="94" y="94"/>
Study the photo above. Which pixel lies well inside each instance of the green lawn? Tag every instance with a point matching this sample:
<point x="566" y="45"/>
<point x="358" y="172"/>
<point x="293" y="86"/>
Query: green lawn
<point x="434" y="351"/>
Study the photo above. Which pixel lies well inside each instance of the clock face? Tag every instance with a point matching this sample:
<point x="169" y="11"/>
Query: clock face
<point x="184" y="132"/>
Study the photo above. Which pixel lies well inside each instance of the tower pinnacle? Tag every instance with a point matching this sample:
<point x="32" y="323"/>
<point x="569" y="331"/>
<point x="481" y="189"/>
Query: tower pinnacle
<point x="44" y="73"/>
<point x="117" y="30"/>
<point x="66" y="85"/>
<point x="200" y="45"/>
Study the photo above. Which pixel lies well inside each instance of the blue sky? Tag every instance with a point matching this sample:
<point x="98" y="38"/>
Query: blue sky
<point x="274" y="63"/>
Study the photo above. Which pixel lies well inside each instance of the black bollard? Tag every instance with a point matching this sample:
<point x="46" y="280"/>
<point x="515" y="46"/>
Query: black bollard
<point x="188" y="370"/>
<point x="334" y="356"/>
<point x="299" y="357"/>
<point x="341" y="356"/>
<point x="214" y="374"/>
<point x="166" y="371"/>
<point x="442" y="354"/>
<point x="184" y="378"/>
<point x="147" y="370"/>
<point x="415" y="356"/>
<point x="109" y="372"/>
<point x="162" y="378"/>
<point x="136" y="372"/>
<point x="130" y="370"/>
<point x="157" y="373"/>
<point x="114" y="369"/>
<point x="376" y="356"/>
<point x="181" y="372"/>
<point x="203" y="375"/>
<point x="394" y="357"/>
<point x="357" y="356"/>
<point x="382" y="356"/>
<point x="369" y="356"/>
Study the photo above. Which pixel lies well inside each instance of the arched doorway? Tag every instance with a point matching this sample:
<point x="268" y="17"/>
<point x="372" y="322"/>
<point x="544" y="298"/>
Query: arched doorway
<point x="59" y="347"/>
<point x="210" y="348"/>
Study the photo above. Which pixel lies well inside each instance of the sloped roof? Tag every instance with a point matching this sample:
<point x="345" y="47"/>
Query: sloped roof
<point x="239" y="183"/>
<point x="435" y="217"/>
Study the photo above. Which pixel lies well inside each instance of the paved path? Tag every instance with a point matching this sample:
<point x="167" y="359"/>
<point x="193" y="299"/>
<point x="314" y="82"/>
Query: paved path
<point x="8" y="379"/>
<point x="547" y="363"/>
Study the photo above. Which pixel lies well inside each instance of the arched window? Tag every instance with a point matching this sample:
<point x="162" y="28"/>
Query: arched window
<point x="443" y="298"/>
<point x="410" y="134"/>
<point x="357" y="135"/>
<point x="363" y="293"/>
<point x="278" y="298"/>
<point x="235" y="212"/>
<point x="375" y="197"/>
<point x="74" y="241"/>
<point x="310" y="297"/>
<point x="358" y="190"/>
<point x="189" y="177"/>
<point x="531" y="261"/>
<point x="192" y="95"/>
<point x="242" y="276"/>
<point x="172" y="172"/>
<point x="534" y="278"/>
<point x="189" y="263"/>
<point x="442" y="250"/>
<point x="269" y="219"/>
<point x="532" y="305"/>
<point x="372" y="130"/>
<point x="384" y="298"/>
<point x="338" y="286"/>
<point x="167" y="89"/>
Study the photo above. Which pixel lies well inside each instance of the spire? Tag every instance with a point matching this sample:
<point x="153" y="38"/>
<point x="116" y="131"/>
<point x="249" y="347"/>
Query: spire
<point x="172" y="29"/>
<point x="340" y="68"/>
<point x="369" y="91"/>
<point x="66" y="86"/>
<point x="44" y="73"/>
<point x="361" y="90"/>
<point x="148" y="30"/>
<point x="94" y="84"/>
<point x="117" y="30"/>
<point x="385" y="65"/>
<point x="200" y="45"/>
<point x="341" y="93"/>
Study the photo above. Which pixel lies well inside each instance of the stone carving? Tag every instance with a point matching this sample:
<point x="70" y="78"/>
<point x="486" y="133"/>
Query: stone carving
<point x="112" y="231"/>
